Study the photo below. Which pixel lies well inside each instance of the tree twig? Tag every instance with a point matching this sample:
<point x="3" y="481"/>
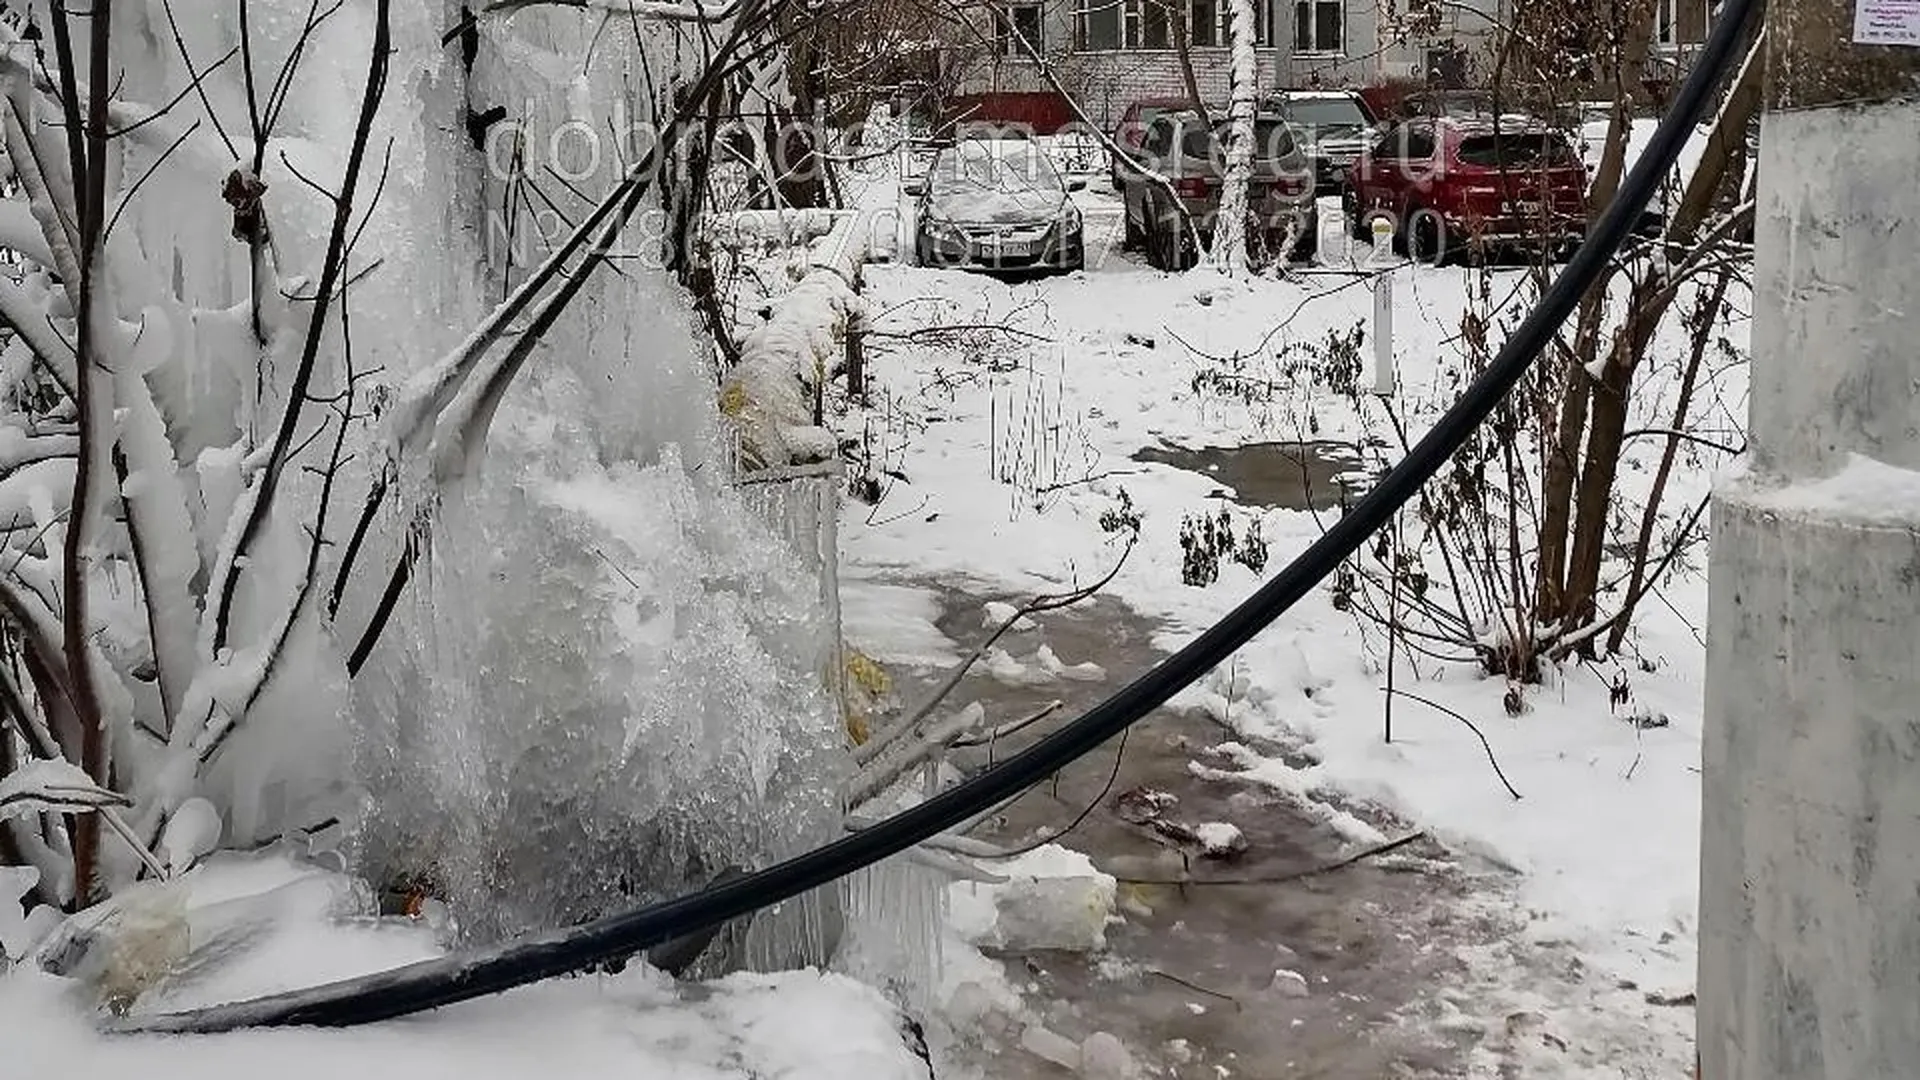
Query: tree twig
<point x="1488" y="747"/>
<point x="1280" y="879"/>
<point x="267" y="486"/>
<point x="1194" y="986"/>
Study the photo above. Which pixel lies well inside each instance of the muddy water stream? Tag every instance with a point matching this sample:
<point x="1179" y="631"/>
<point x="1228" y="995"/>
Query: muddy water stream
<point x="1284" y="475"/>
<point x="1187" y="980"/>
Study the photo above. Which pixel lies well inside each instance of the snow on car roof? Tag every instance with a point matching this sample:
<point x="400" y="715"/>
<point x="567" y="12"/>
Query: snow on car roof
<point x="1506" y="123"/>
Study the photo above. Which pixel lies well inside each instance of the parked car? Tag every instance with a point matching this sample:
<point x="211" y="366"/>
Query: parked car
<point x="1183" y="156"/>
<point x="1462" y="104"/>
<point x="996" y="204"/>
<point x="1450" y="186"/>
<point x="1334" y="127"/>
<point x="1133" y="127"/>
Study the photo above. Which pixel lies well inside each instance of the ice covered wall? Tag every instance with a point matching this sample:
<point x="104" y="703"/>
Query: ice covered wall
<point x="603" y="681"/>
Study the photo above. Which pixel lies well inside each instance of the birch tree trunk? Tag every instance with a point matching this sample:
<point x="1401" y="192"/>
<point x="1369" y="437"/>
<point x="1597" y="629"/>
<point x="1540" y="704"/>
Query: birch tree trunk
<point x="1230" y="229"/>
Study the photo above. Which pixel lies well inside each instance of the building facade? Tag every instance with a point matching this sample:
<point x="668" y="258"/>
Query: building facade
<point x="1109" y="53"/>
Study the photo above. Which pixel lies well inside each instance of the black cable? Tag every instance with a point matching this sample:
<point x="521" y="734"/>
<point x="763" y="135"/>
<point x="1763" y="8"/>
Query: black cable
<point x="430" y="984"/>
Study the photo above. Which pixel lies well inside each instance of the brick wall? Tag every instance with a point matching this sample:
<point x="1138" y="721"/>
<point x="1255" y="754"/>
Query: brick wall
<point x="1105" y="83"/>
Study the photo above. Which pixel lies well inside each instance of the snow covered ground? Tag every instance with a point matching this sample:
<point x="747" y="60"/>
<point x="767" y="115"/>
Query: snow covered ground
<point x="1002" y="440"/>
<point x="266" y="923"/>
<point x="1005" y="430"/>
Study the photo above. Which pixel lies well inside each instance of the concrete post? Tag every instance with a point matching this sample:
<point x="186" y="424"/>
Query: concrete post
<point x="1810" y="845"/>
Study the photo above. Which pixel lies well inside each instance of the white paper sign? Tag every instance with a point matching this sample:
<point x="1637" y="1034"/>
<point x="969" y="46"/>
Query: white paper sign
<point x="1886" y="22"/>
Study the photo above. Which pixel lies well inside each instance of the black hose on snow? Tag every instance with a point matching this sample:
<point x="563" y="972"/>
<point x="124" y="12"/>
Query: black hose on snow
<point x="430" y="984"/>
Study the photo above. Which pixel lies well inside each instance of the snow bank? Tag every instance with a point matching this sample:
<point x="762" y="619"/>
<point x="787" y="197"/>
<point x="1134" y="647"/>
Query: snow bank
<point x="1865" y="490"/>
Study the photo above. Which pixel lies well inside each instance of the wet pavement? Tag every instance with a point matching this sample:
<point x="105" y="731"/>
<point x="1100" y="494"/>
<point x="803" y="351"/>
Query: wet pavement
<point x="1188" y="980"/>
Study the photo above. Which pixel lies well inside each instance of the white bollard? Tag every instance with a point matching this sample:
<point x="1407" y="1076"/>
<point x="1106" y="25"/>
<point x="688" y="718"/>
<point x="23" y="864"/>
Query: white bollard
<point x="1383" y="374"/>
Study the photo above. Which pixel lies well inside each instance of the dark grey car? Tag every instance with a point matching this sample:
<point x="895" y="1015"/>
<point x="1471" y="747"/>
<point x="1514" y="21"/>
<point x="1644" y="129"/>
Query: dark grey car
<point x="1334" y="128"/>
<point x="1183" y="157"/>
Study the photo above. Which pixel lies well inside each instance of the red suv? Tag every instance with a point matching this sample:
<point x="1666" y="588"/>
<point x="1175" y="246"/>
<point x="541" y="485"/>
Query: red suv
<point x="1451" y="185"/>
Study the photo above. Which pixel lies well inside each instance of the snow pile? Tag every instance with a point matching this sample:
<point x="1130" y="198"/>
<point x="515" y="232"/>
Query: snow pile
<point x="1864" y="489"/>
<point x="241" y="926"/>
<point x="270" y="922"/>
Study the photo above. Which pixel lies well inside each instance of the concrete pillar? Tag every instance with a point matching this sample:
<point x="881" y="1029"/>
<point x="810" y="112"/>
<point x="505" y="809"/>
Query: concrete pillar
<point x="1810" y="847"/>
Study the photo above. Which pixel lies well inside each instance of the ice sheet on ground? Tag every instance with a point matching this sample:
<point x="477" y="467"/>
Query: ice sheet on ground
<point x="894" y="624"/>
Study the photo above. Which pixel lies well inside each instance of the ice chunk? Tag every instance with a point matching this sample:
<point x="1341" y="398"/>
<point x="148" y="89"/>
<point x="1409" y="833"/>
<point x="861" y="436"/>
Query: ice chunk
<point x="1089" y="671"/>
<point x="1068" y="913"/>
<point x="997" y="613"/>
<point x="1104" y="1057"/>
<point x="1050" y="1046"/>
<point x="1053" y="899"/>
<point x="1289" y="983"/>
<point x="1010" y="672"/>
<point x="1220" y="839"/>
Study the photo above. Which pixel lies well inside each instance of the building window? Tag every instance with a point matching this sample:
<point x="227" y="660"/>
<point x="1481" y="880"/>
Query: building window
<point x="1019" y="26"/>
<point x="1203" y="24"/>
<point x="1681" y="22"/>
<point x="1098" y="25"/>
<point x="1210" y="23"/>
<point x="1156" y="26"/>
<point x="1147" y="25"/>
<point x="1319" y="26"/>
